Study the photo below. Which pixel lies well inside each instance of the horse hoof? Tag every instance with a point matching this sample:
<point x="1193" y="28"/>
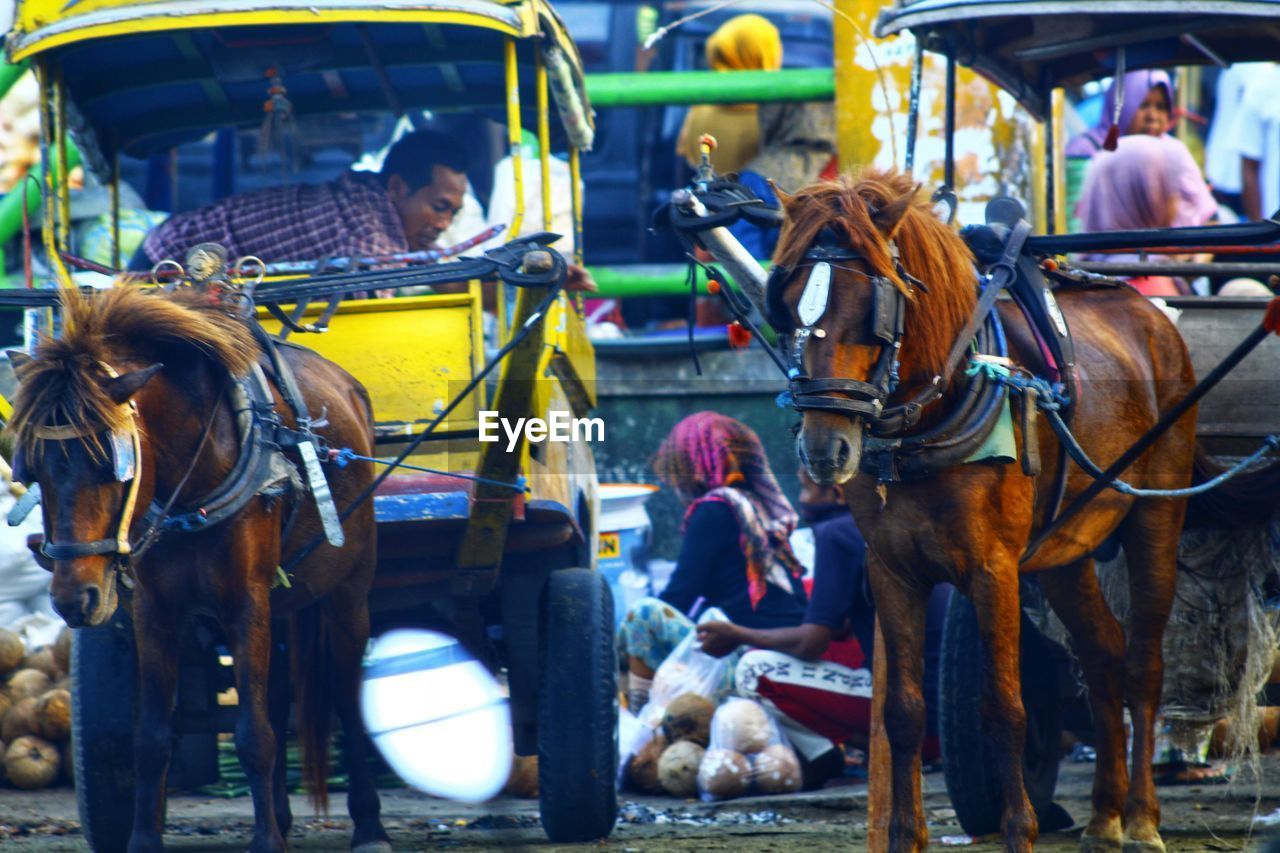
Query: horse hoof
<point x="373" y="847"/>
<point x="1099" y="844"/>
<point x="1132" y="845"/>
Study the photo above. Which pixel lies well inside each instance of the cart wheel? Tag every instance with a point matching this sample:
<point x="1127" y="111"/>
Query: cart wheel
<point x="578" y="709"/>
<point x="967" y="763"/>
<point x="103" y="696"/>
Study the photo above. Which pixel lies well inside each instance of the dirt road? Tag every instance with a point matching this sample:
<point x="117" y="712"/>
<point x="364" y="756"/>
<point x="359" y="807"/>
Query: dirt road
<point x="1198" y="818"/>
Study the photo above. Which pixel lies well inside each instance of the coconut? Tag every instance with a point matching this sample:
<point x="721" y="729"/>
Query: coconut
<point x="688" y="717"/>
<point x="53" y="716"/>
<point x="20" y="721"/>
<point x="776" y="770"/>
<point x="724" y="774"/>
<point x="42" y="659"/>
<point x="26" y="683"/>
<point x="642" y="770"/>
<point x="62" y="650"/>
<point x="5" y="704"/>
<point x="743" y="726"/>
<point x="678" y="768"/>
<point x="31" y="763"/>
<point x="523" y="781"/>
<point x="11" y="651"/>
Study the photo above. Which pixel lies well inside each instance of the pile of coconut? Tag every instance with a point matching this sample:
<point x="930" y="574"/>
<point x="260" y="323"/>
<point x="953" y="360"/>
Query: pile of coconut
<point x="715" y="753"/>
<point x="35" y="712"/>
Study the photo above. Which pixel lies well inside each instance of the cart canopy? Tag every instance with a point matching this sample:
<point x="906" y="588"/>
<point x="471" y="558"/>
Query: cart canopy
<point x="143" y="77"/>
<point x="1029" y="46"/>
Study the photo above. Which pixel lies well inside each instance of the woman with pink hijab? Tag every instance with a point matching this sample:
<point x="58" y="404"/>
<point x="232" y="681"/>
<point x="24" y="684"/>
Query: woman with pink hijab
<point x="1136" y="186"/>
<point x="1146" y="104"/>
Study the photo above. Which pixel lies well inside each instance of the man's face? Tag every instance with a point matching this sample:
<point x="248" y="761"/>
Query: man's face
<point x="427" y="212"/>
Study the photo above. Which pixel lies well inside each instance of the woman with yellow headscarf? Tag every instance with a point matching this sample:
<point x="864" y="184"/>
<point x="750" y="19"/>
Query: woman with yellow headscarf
<point x="743" y="43"/>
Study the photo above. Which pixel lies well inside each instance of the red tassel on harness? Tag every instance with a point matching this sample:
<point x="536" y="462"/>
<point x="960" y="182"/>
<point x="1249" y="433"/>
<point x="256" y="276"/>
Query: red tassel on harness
<point x="739" y="336"/>
<point x="1271" y="320"/>
<point x="1113" y="137"/>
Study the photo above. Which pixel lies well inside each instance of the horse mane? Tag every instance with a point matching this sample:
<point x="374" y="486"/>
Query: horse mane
<point x="928" y="249"/>
<point x="63" y="381"/>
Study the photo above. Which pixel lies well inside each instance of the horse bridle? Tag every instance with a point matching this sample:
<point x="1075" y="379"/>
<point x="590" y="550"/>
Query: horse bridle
<point x="126" y="462"/>
<point x="852" y="397"/>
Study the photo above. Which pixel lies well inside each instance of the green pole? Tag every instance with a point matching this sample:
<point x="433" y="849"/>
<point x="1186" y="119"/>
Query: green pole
<point x="639" y="280"/>
<point x="661" y="88"/>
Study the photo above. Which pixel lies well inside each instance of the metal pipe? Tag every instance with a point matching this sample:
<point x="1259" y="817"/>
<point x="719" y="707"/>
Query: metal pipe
<point x="913" y="113"/>
<point x="949" y="165"/>
<point x="728" y="252"/>
<point x="669" y="88"/>
<point x="575" y="193"/>
<point x="1176" y="268"/>
<point x="544" y="137"/>
<point x="1050" y="170"/>
<point x="513" y="135"/>
<point x="63" y="170"/>
<point x="115" y="207"/>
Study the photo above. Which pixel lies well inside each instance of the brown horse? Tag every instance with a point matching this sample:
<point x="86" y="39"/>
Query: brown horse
<point x="157" y="372"/>
<point x="968" y="524"/>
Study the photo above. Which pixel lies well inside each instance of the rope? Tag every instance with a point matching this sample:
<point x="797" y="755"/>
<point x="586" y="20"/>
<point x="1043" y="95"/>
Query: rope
<point x="1050" y="401"/>
<point x="346" y="455"/>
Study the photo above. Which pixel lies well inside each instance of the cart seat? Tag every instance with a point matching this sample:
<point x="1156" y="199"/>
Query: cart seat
<point x="420" y="496"/>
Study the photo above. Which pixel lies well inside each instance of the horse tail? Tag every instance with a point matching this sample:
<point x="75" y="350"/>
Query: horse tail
<point x="1247" y="499"/>
<point x="312" y="667"/>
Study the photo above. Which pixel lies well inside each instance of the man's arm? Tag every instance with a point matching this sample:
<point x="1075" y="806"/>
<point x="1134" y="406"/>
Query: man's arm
<point x="807" y="641"/>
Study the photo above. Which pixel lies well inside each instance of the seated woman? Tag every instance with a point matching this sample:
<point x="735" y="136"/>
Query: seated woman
<point x="1135" y="186"/>
<point x="1146" y="105"/>
<point x="735" y="554"/>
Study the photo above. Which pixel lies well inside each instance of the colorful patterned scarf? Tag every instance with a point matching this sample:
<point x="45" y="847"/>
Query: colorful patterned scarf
<point x="712" y="457"/>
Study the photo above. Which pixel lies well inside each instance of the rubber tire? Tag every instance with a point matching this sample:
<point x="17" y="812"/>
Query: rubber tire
<point x="967" y="763"/>
<point x="578" y="709"/>
<point x="104" y="686"/>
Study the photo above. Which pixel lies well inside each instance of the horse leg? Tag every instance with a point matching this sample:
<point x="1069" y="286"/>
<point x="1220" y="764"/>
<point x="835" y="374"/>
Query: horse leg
<point x="1150" y="540"/>
<point x="157" y="633"/>
<point x="900" y="608"/>
<point x="349" y="633"/>
<point x="1098" y="642"/>
<point x="278" y="699"/>
<point x="248" y="628"/>
<point x="994" y="590"/>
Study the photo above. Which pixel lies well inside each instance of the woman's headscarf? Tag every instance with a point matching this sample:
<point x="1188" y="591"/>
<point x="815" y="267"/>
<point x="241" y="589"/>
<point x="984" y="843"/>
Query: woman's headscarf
<point x="1135" y="186"/>
<point x="797" y="142"/>
<point x="745" y="43"/>
<point x="1136" y="86"/>
<point x="712" y="457"/>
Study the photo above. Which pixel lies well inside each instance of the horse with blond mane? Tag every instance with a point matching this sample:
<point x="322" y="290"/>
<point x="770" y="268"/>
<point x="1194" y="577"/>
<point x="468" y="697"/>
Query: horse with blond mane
<point x="970" y="523"/>
<point x="142" y="402"/>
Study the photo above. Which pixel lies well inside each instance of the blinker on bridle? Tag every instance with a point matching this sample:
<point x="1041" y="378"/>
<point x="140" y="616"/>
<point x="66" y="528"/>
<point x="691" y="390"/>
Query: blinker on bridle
<point x="126" y="453"/>
<point x="856" y="398"/>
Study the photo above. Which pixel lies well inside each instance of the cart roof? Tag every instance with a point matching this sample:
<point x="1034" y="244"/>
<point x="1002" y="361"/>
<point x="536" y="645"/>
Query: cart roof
<point x="1027" y="46"/>
<point x="144" y="77"/>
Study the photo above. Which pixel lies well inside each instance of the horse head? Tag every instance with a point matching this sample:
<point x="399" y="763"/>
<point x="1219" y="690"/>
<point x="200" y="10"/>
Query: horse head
<point x="84" y="454"/>
<point x="78" y="430"/>
<point x="863" y="329"/>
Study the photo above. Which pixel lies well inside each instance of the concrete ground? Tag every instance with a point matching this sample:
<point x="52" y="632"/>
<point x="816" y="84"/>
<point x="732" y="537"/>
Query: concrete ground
<point x="1196" y="818"/>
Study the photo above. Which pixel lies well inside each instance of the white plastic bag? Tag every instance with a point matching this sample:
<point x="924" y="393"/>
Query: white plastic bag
<point x="747" y="754"/>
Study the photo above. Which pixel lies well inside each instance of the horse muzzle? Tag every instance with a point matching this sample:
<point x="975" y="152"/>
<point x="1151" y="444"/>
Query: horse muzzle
<point x="830" y="447"/>
<point x="84" y="604"/>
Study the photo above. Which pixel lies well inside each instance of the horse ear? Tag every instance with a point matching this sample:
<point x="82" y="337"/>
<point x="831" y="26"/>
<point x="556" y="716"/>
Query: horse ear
<point x="890" y="216"/>
<point x="783" y="196"/>
<point x="17" y="358"/>
<point x="121" y="388"/>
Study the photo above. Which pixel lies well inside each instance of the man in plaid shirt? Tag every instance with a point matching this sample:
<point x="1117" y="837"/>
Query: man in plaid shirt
<point x="403" y="208"/>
